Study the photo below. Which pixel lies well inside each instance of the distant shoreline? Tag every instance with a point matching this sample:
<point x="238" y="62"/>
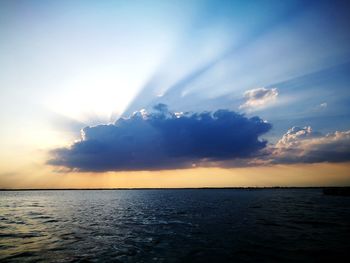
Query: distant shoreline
<point x="188" y="188"/>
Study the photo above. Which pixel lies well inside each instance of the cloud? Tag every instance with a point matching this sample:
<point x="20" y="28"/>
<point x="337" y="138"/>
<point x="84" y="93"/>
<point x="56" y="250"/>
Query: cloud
<point x="303" y="145"/>
<point x="164" y="140"/>
<point x="259" y="98"/>
<point x="323" y="105"/>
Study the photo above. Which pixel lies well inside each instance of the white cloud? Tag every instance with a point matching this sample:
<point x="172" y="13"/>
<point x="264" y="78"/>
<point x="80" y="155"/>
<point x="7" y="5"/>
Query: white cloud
<point x="323" y="105"/>
<point x="303" y="145"/>
<point x="259" y="98"/>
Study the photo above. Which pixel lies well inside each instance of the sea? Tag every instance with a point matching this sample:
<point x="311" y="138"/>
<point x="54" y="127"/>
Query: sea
<point x="189" y="225"/>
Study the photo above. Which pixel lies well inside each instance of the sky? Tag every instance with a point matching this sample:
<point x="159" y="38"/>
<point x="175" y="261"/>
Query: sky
<point x="174" y="93"/>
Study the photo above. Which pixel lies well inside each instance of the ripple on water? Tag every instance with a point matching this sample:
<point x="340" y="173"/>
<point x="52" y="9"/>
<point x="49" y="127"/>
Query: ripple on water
<point x="172" y="226"/>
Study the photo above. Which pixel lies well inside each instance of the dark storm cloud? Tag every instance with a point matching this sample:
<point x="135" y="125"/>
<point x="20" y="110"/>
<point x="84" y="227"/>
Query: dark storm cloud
<point x="164" y="140"/>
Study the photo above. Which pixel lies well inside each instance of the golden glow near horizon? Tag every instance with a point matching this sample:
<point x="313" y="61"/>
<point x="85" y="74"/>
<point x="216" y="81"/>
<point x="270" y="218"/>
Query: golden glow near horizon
<point x="324" y="174"/>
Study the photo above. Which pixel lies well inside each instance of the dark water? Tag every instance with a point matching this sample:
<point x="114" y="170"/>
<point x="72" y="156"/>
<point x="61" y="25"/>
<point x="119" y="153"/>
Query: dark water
<point x="271" y="225"/>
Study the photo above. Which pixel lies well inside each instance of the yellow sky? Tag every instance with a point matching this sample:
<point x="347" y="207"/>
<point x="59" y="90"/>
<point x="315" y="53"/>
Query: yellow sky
<point x="278" y="175"/>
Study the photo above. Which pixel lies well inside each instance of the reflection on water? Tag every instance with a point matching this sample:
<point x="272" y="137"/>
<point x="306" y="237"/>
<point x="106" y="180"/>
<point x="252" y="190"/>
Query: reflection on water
<point x="269" y="225"/>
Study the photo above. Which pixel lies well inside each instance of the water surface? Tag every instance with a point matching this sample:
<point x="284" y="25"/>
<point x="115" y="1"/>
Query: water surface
<point x="269" y="225"/>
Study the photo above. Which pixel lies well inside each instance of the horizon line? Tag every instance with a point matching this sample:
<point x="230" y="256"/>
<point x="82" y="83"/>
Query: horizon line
<point x="173" y="188"/>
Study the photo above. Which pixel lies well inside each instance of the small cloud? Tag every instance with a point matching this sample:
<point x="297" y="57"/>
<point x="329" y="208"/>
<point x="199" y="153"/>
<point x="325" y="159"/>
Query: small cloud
<point x="303" y="145"/>
<point x="164" y="140"/>
<point x="323" y="105"/>
<point x="259" y="98"/>
<point x="320" y="107"/>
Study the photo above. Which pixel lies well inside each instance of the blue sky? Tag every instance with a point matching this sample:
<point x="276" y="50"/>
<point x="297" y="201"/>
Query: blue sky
<point x="295" y="48"/>
<point x="66" y="65"/>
